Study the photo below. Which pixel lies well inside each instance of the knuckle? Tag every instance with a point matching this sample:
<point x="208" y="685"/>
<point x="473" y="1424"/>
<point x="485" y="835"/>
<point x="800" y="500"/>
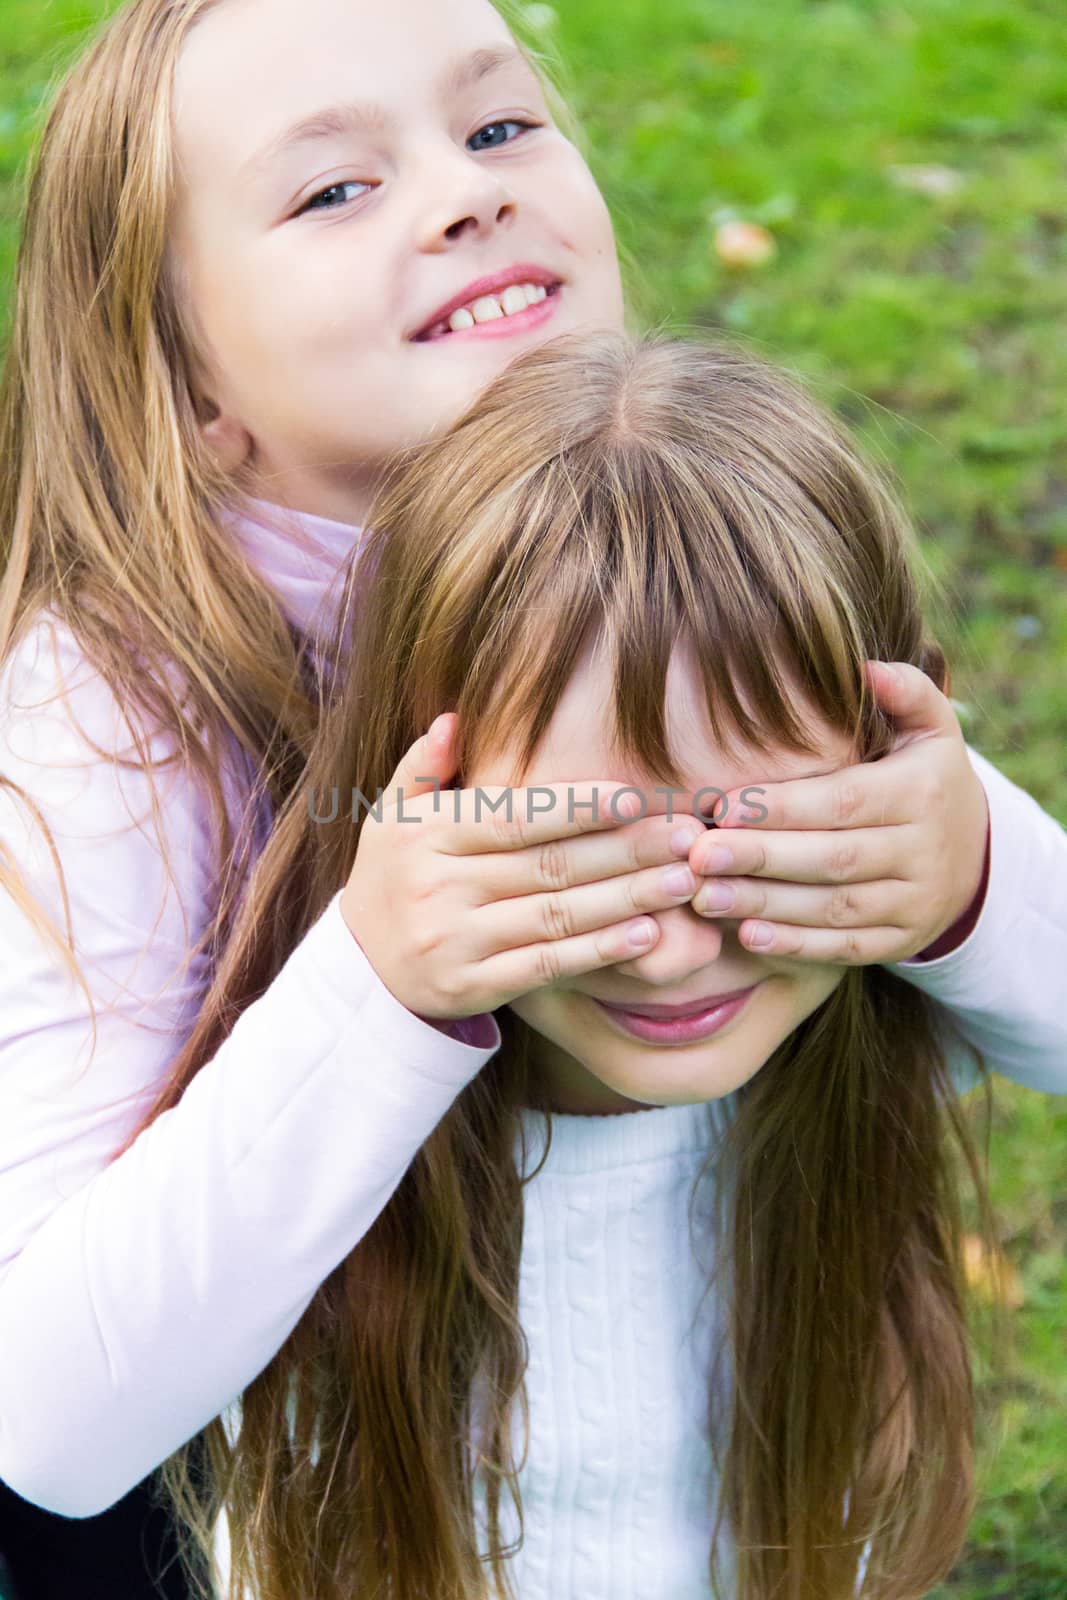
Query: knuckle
<point x="848" y="798"/>
<point x="450" y="989"/>
<point x="549" y="966"/>
<point x="430" y="882"/>
<point x="393" y="834"/>
<point x="852" y="953"/>
<point x="425" y="940"/>
<point x="641" y="893"/>
<point x="552" y="864"/>
<point x="557" y="921"/>
<point x="644" y="844"/>
<point x="506" y="829"/>
<point x="842" y="909"/>
<point x="929" y="796"/>
<point x="842" y="861"/>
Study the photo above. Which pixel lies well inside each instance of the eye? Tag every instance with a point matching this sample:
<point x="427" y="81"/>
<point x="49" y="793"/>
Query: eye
<point x="492" y="127"/>
<point x="322" y="200"/>
<point x="334" y="188"/>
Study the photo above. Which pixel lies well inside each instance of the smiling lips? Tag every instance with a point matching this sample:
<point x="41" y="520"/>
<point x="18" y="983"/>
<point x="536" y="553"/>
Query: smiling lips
<point x="501" y="296"/>
<point x="689" y="1008"/>
<point x="490" y="308"/>
<point x="665" y="1025"/>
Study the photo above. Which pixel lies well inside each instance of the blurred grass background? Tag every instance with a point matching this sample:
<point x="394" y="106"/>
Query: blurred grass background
<point x="907" y="163"/>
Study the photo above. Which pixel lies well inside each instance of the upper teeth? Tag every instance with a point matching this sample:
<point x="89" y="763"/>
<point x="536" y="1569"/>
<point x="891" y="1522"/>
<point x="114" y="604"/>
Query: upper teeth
<point x="490" y="307"/>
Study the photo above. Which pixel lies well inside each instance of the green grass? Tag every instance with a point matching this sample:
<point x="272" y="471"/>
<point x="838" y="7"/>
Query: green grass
<point x="936" y="326"/>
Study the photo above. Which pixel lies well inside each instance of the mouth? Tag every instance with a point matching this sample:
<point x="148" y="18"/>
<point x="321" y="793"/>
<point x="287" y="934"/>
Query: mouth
<point x="512" y="305"/>
<point x="684" y="1024"/>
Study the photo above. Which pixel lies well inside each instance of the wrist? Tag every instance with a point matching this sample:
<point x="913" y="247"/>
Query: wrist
<point x="964" y="925"/>
<point x="478" y="1030"/>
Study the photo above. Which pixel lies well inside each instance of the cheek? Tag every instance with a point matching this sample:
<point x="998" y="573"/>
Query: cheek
<point x="293" y="363"/>
<point x="241" y="332"/>
<point x="285" y="301"/>
<point x="542" y="1011"/>
<point x="815" y="985"/>
<point x="574" y="194"/>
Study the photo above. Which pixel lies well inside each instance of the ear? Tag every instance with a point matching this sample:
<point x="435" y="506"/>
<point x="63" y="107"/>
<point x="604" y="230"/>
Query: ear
<point x="224" y="437"/>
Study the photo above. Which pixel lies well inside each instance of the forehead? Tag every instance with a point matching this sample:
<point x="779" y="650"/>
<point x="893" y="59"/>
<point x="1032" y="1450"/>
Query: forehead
<point x="251" y="68"/>
<point x="578" y="743"/>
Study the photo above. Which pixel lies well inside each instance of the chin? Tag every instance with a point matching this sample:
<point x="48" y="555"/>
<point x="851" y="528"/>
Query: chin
<point x="670" y="1077"/>
<point x="683" y="1089"/>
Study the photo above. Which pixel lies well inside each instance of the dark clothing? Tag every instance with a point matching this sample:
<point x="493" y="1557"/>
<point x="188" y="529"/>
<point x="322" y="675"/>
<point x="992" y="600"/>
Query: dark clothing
<point x="119" y="1555"/>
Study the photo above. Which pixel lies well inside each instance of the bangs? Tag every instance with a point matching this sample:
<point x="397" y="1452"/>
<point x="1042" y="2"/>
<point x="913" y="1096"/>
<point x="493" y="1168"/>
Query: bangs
<point x="642" y="554"/>
<point x="644" y="494"/>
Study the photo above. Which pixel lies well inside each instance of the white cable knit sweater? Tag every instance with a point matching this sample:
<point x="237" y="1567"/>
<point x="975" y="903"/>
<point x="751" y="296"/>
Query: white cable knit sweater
<point x="619" y="1486"/>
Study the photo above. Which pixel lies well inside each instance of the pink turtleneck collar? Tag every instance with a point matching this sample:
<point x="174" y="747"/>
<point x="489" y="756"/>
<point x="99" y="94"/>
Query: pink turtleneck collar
<point x="298" y="555"/>
<point x="301" y="556"/>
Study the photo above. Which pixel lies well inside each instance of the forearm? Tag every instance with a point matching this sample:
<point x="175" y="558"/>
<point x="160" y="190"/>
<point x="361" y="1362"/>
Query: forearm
<point x="1003" y="983"/>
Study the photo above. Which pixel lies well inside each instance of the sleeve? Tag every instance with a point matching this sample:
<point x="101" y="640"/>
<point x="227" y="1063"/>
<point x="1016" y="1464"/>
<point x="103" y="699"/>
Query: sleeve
<point x="139" y="1296"/>
<point x="1003" y="990"/>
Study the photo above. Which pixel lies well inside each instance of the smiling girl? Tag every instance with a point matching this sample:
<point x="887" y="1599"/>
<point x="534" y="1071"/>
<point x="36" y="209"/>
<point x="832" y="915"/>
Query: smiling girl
<point x="247" y="222"/>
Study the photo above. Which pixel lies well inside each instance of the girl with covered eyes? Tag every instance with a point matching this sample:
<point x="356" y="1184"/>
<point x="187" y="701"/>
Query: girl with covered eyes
<point x="678" y="1299"/>
<point x="267" y="247"/>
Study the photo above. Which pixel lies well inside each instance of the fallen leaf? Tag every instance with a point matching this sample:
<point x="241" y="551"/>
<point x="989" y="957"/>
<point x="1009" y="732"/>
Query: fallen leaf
<point x="744" y="244"/>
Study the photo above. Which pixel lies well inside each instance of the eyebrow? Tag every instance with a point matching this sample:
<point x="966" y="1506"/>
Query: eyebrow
<point x="461" y="74"/>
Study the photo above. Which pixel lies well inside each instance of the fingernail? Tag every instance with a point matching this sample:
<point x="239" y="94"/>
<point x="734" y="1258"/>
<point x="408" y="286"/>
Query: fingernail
<point x="679" y="880"/>
<point x="716" y="858"/>
<point x="640" y="934"/>
<point x="717" y="897"/>
<point x="760" y="937"/>
<point x="682" y="841"/>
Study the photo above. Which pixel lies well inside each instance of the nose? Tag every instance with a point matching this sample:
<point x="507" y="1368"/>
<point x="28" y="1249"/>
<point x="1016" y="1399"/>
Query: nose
<point x="465" y="199"/>
<point x="687" y="943"/>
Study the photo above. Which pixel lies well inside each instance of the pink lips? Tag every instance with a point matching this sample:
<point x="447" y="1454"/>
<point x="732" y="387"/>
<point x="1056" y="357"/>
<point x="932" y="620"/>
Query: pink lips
<point x="504" y="327"/>
<point x="678" y="1024"/>
<point x="688" y="1009"/>
<point x="494" y="284"/>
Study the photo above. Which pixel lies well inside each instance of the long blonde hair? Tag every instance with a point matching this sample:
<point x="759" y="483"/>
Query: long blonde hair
<point x="109" y="499"/>
<point x="647" y="489"/>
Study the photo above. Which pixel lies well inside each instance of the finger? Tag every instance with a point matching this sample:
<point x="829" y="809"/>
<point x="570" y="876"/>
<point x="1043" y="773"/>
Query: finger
<point x="846" y="905"/>
<point x="851" y="947"/>
<point x="429" y="762"/>
<point x="591" y="858"/>
<point x="488" y="820"/>
<point x="534" y="918"/>
<point x="871" y="794"/>
<point x="913" y="700"/>
<point x="519" y="971"/>
<point x="851" y="855"/>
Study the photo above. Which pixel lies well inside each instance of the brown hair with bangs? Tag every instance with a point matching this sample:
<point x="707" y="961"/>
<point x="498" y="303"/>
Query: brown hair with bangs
<point x="646" y="488"/>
